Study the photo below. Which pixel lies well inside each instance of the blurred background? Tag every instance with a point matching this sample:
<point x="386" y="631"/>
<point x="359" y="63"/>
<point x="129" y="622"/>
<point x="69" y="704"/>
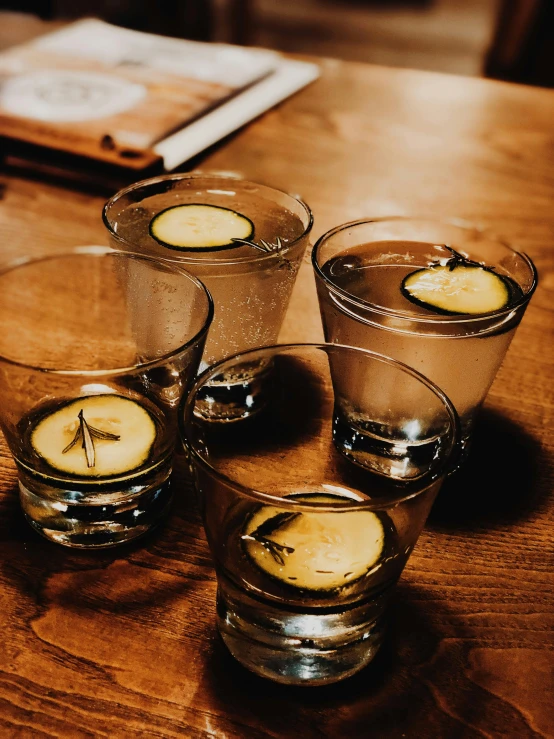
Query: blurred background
<point x="504" y="39"/>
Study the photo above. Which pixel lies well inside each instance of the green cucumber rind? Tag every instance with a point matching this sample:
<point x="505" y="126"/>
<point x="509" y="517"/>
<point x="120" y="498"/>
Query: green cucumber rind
<point x="390" y="537"/>
<point x="230" y="245"/>
<point x="514" y="291"/>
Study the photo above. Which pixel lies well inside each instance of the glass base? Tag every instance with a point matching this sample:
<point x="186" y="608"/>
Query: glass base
<point x="234" y="396"/>
<point x="365" y="443"/>
<point x="296" y="648"/>
<point x="117" y="519"/>
<point x="461" y="454"/>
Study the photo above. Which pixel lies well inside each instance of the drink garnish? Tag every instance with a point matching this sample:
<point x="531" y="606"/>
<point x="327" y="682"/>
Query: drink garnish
<point x="268" y="527"/>
<point x="319" y="550"/>
<point x="55" y="439"/>
<point x="199" y="227"/>
<point x="269" y="248"/>
<point x="264" y="246"/>
<point x="87" y="433"/>
<point x="458" y="286"/>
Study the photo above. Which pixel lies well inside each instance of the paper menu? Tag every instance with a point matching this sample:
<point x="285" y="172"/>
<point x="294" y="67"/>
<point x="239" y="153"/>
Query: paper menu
<point x="107" y="94"/>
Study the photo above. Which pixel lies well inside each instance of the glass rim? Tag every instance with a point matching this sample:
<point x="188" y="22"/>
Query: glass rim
<point x="439" y="318"/>
<point x="186" y="421"/>
<point x="100" y="251"/>
<point x="256" y="257"/>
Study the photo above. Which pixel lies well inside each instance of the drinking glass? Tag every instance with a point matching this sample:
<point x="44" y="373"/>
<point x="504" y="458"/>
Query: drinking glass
<point x="251" y="287"/>
<point x="359" y="269"/>
<point x="313" y="503"/>
<point x="93" y="367"/>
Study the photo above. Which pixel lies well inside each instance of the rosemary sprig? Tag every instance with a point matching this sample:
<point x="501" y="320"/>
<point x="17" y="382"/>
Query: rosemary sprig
<point x="264" y="246"/>
<point x="267" y="248"/>
<point x="273" y="524"/>
<point x="268" y="527"/>
<point x="458" y="260"/>
<point x="87" y="434"/>
<point x="276" y="550"/>
<point x="88" y="444"/>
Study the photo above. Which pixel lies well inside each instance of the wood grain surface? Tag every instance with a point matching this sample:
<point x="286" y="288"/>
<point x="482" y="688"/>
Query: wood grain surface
<point x="122" y="643"/>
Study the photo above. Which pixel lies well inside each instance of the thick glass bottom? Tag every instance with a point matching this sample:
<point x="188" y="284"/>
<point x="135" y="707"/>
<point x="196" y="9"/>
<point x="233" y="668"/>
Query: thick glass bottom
<point x="234" y="396"/>
<point x="118" y="518"/>
<point x="296" y="648"/>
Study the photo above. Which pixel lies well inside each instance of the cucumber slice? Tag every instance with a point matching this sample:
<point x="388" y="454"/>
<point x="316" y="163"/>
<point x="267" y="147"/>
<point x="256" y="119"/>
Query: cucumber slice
<point x="121" y="431"/>
<point x="198" y="227"/>
<point x="462" y="289"/>
<point x="314" y="551"/>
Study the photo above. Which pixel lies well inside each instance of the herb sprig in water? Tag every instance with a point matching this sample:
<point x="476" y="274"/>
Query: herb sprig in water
<point x="264" y="246"/>
<point x="87" y="434"/>
<point x="268" y="527"/>
<point x="458" y="260"/>
<point x="268" y="248"/>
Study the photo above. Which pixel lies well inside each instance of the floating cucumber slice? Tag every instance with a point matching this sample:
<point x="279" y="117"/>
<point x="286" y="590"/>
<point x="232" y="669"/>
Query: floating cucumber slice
<point x="460" y="289"/>
<point x="314" y="550"/>
<point x="198" y="227"/>
<point x="120" y="430"/>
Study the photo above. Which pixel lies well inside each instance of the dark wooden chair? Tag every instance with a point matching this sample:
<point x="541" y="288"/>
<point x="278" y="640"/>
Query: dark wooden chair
<point x="42" y="8"/>
<point x="522" y="49"/>
<point x="193" y="19"/>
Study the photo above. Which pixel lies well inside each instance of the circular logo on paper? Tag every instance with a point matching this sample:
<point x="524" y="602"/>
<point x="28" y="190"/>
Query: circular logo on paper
<point x="66" y="97"/>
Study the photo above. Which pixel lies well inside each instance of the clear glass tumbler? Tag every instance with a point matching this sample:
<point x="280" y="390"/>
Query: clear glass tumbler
<point x="250" y="286"/>
<point x="97" y="348"/>
<point x="360" y="269"/>
<point x="313" y="503"/>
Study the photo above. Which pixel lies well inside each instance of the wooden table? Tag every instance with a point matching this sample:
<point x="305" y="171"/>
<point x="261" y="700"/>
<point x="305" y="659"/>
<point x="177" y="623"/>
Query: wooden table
<point x="122" y="643"/>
